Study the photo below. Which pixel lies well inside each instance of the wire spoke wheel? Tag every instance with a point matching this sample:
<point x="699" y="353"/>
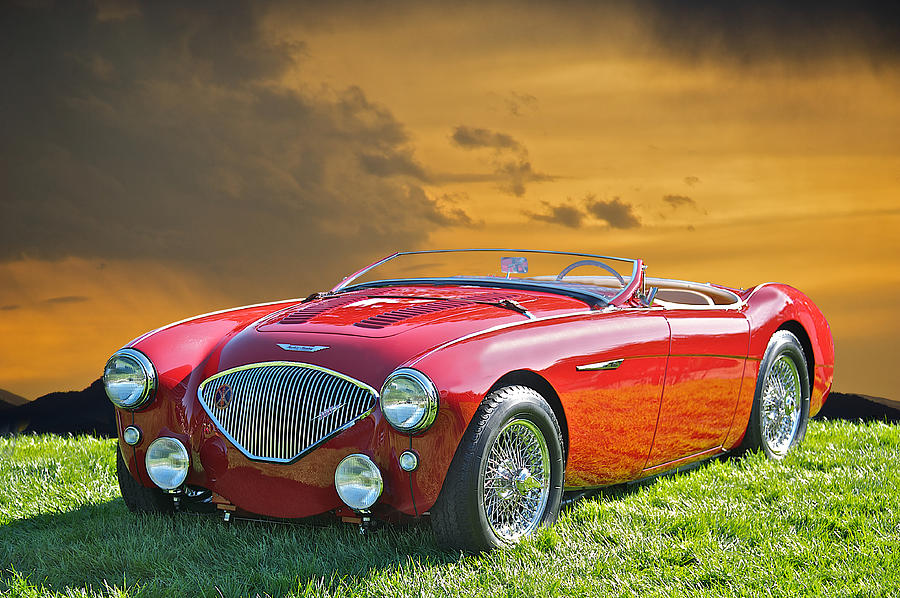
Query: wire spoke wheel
<point x="780" y="404"/>
<point x="506" y="478"/>
<point x="515" y="480"/>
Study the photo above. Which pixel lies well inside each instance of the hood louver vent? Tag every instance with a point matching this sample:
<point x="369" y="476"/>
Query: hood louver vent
<point x="308" y="312"/>
<point x="404" y="313"/>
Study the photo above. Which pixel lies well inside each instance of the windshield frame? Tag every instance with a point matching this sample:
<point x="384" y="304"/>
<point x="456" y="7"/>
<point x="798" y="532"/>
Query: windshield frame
<point x="583" y="292"/>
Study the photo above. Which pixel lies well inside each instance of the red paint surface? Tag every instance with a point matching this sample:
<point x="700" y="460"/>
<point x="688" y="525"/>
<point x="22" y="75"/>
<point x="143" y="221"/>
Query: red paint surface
<point x="683" y="390"/>
<point x="703" y="381"/>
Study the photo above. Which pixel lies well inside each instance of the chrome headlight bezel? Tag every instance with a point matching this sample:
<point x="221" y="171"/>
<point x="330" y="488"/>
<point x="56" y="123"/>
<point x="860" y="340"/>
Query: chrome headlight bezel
<point x="427" y="400"/>
<point x="358" y="481"/>
<point x="167" y="462"/>
<point x="149" y="384"/>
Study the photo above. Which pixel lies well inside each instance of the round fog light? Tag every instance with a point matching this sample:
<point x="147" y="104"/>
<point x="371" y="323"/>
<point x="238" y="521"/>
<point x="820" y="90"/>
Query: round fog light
<point x="131" y="435"/>
<point x="167" y="462"/>
<point x="408" y="461"/>
<point x="358" y="481"/>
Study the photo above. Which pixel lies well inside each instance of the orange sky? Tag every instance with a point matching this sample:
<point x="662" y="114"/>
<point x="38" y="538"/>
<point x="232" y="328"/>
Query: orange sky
<point x="163" y="162"/>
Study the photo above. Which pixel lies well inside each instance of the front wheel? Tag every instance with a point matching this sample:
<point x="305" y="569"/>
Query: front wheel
<point x="781" y="402"/>
<point x="506" y="478"/>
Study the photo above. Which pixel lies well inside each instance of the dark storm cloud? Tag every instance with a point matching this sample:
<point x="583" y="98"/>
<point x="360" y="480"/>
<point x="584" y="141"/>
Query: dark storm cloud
<point x="801" y="32"/>
<point x="391" y="164"/>
<point x="615" y="212"/>
<point x="160" y="131"/>
<point x="477" y="138"/>
<point x="679" y="201"/>
<point x="564" y="214"/>
<point x="9" y="307"/>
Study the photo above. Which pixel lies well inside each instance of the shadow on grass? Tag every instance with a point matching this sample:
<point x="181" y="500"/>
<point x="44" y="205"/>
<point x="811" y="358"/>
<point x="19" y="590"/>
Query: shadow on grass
<point x="197" y="554"/>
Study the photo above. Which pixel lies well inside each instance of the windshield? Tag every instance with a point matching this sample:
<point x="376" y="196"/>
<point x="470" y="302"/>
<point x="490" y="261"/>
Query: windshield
<point x="583" y="275"/>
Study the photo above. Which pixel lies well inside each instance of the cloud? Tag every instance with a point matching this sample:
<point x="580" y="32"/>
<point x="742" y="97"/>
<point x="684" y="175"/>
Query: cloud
<point x="512" y="168"/>
<point x="749" y="33"/>
<point x="477" y="138"/>
<point x="516" y="174"/>
<point x="9" y="307"/>
<point x="66" y="299"/>
<point x="679" y="201"/>
<point x="168" y="135"/>
<point x="519" y="104"/>
<point x="563" y="214"/>
<point x="116" y="10"/>
<point x="391" y="164"/>
<point x="616" y="213"/>
<point x="690" y="181"/>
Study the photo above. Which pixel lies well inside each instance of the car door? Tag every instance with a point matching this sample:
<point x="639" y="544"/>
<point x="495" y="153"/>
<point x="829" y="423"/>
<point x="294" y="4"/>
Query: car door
<point x="703" y="379"/>
<point x="611" y="389"/>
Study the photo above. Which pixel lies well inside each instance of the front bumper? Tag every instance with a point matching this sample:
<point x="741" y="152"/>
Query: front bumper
<point x="301" y="488"/>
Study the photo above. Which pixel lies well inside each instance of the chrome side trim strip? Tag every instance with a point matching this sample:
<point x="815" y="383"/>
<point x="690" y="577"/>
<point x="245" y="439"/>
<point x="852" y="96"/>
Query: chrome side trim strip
<point x="601" y="365"/>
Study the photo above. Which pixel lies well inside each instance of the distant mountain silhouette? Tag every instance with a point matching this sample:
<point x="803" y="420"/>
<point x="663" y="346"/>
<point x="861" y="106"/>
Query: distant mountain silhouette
<point x="859" y="408"/>
<point x="9" y="400"/>
<point x="86" y="411"/>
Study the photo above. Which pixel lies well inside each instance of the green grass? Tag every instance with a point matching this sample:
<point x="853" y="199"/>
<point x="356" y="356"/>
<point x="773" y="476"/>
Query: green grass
<point x="825" y="521"/>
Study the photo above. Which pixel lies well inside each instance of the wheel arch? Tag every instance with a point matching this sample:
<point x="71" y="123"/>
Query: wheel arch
<point x="797" y="329"/>
<point x="538" y="383"/>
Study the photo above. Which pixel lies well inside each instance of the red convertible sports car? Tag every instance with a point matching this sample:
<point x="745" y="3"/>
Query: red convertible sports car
<point x="472" y="387"/>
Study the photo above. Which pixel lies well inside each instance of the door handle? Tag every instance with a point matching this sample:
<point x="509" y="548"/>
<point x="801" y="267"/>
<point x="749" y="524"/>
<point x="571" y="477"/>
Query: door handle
<point x="600" y="365"/>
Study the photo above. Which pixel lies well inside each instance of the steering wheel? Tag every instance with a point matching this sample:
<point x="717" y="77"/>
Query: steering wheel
<point x="579" y="263"/>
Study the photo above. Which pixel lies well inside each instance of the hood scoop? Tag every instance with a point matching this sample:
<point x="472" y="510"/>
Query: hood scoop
<point x="404" y="313"/>
<point x="308" y="312"/>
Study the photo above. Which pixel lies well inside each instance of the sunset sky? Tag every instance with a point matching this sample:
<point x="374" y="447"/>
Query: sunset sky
<point x="159" y="160"/>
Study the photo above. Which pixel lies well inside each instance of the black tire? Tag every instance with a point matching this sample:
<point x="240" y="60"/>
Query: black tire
<point x="138" y="498"/>
<point x="460" y="518"/>
<point x="784" y="356"/>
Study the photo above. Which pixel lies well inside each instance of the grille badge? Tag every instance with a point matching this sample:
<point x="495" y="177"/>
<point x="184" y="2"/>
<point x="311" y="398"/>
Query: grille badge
<point x="306" y="348"/>
<point x="326" y="412"/>
<point x="223" y="396"/>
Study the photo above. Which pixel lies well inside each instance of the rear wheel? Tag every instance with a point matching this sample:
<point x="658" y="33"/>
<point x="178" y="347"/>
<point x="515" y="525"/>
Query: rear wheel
<point x="781" y="401"/>
<point x="506" y="478"/>
<point x="138" y="498"/>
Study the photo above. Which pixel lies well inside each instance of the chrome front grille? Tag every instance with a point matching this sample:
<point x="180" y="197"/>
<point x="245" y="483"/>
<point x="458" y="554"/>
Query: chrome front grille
<point x="279" y="410"/>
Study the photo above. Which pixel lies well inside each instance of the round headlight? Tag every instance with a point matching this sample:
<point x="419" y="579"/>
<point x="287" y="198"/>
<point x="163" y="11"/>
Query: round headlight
<point x="358" y="481"/>
<point x="409" y="400"/>
<point x="167" y="462"/>
<point x="129" y="378"/>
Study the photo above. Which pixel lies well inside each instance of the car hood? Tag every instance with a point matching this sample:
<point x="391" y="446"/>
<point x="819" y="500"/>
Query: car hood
<point x="367" y="334"/>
